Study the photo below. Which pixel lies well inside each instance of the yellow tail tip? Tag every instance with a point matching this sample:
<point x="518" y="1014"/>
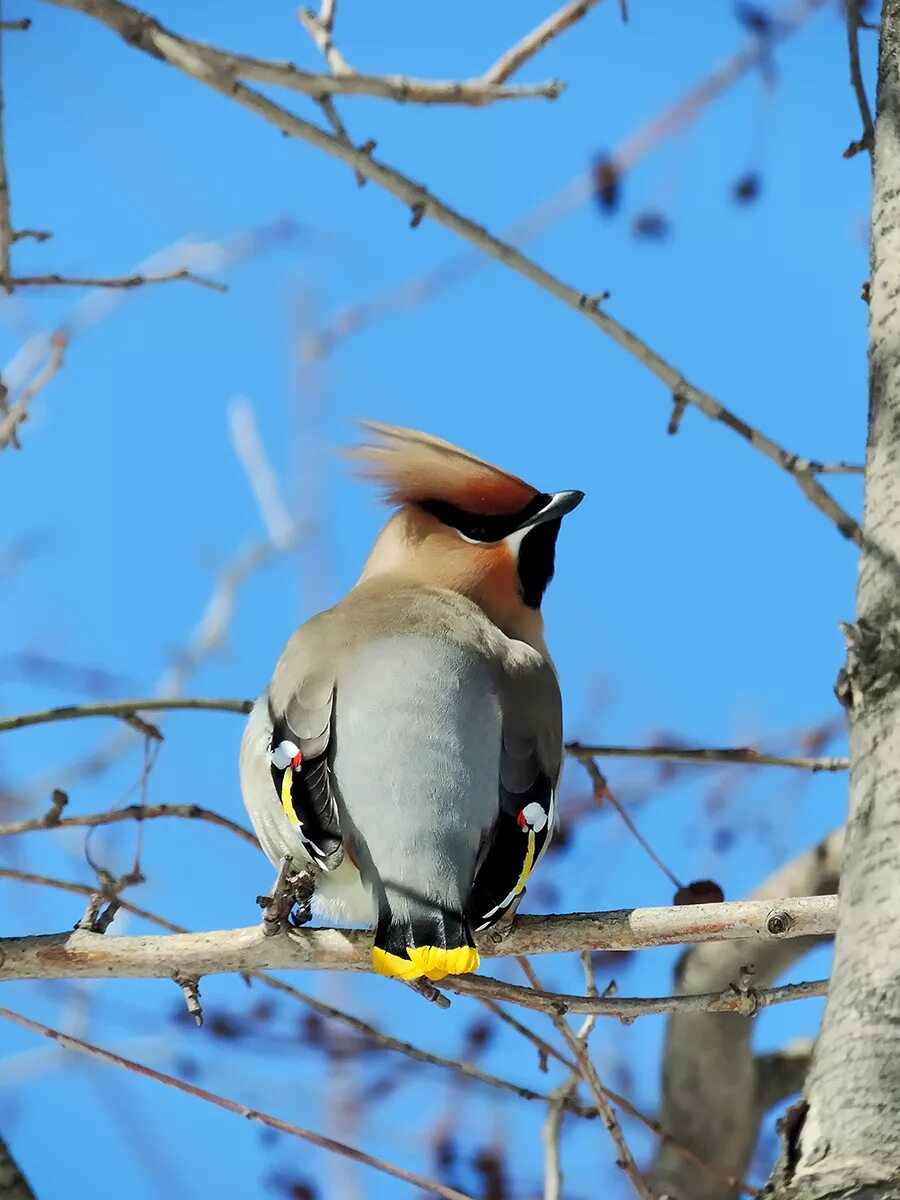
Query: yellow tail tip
<point x="432" y="962"/>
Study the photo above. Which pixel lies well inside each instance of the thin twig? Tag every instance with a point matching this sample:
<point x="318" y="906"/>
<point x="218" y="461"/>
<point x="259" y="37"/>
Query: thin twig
<point x="320" y="30"/>
<point x="134" y="812"/>
<point x="16" y="26"/>
<point x="578" y="1046"/>
<point x="551" y="1133"/>
<point x="122" y="281"/>
<point x="18" y="412"/>
<point x="128" y="709"/>
<point x="837" y="468"/>
<point x="316" y="1139"/>
<point x="602" y="792"/>
<point x="85" y="889"/>
<point x="571" y="196"/>
<point x="261" y="475"/>
<point x="35" y="235"/>
<point x="867" y="141"/>
<point x="514" y="58"/>
<point x="144" y="33"/>
<point x="740" y="754"/>
<point x="124" y="710"/>
<point x="628" y="1009"/>
<point x="6" y="231"/>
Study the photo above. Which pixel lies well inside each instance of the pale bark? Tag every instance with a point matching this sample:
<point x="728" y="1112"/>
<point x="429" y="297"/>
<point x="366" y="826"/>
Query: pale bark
<point x="715" y="1089"/>
<point x="844" y="1140"/>
<point x="84" y="955"/>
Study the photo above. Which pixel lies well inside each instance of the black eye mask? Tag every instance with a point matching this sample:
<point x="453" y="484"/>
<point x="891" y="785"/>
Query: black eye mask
<point x="481" y="528"/>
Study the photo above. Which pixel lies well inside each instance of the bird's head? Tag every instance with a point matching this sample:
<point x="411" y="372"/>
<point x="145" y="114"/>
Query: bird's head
<point x="463" y="524"/>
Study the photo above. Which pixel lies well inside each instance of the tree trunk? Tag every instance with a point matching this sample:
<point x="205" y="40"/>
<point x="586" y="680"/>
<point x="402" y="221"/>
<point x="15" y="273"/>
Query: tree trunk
<point x="843" y="1140"/>
<point x="13" y="1184"/>
<point x="716" y="1090"/>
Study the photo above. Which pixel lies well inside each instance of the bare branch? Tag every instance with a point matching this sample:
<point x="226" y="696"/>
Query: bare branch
<point x="123" y="281"/>
<point x="837" y="468"/>
<point x="578" y="1046"/>
<point x="514" y="58"/>
<point x="212" y="68"/>
<point x="384" y="1041"/>
<point x="573" y="195"/>
<point x="732" y="999"/>
<point x="320" y="30"/>
<point x="18" y="412"/>
<point x="36" y="235"/>
<point x="65" y="955"/>
<point x="134" y="812"/>
<point x="603" y="792"/>
<point x="714" y="1090"/>
<point x="248" y="446"/>
<point x="190" y="1089"/>
<point x="739" y="754"/>
<point x="128" y="709"/>
<point x="125" y="710"/>
<point x="16" y="26"/>
<point x="6" y="231"/>
<point x="854" y="23"/>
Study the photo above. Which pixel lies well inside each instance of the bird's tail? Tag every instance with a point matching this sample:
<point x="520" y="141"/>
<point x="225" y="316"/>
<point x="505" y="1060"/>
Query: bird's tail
<point x="416" y="937"/>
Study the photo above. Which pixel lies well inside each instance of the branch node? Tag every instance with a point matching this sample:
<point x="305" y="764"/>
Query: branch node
<point x="428" y="992"/>
<point x="778" y="923"/>
<point x="418" y="212"/>
<point x="872" y="666"/>
<point x="591" y="301"/>
<point x="106" y="918"/>
<point x="58" y="801"/>
<point x="679" y="407"/>
<point x="191" y="990"/>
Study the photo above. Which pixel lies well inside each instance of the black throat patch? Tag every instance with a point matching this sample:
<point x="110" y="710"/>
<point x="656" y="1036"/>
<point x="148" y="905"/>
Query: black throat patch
<point x="537" y="557"/>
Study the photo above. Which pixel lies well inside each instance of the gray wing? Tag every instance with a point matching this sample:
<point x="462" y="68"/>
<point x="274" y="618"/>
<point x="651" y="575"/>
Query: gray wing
<point x="530" y="764"/>
<point x="300" y="707"/>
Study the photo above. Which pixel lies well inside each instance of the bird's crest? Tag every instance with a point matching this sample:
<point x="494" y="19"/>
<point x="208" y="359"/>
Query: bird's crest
<point x="413" y="467"/>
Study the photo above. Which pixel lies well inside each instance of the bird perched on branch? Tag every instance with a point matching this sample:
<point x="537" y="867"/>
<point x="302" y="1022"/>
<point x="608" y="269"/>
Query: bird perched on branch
<point x="408" y="747"/>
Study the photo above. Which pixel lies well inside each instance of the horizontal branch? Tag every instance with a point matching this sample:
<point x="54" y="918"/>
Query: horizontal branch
<point x="133" y="812"/>
<point x="145" y="30"/>
<point x="739" y="754"/>
<point x="628" y="1009"/>
<point x="125" y="710"/>
<point x="85" y="955"/>
<point x="122" y="281"/>
<point x="212" y="68"/>
<point x="401" y="88"/>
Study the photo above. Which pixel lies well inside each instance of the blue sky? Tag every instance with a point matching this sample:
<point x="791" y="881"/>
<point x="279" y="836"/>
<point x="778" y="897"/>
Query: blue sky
<point x="697" y="593"/>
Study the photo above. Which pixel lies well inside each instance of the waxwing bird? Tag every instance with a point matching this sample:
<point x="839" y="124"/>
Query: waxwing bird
<point x="408" y="748"/>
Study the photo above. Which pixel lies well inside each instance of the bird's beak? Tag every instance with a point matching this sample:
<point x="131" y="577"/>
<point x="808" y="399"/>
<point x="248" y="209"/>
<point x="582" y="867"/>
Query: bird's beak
<point x="559" y="505"/>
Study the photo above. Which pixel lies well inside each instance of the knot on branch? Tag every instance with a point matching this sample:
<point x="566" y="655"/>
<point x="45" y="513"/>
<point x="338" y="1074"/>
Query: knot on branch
<point x="778" y="923"/>
<point x="872" y="667"/>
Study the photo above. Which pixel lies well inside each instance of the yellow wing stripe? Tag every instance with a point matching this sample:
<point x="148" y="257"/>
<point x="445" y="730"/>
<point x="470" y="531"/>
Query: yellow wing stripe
<point x="527" y="864"/>
<point x="286" y="801"/>
<point x="431" y="961"/>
